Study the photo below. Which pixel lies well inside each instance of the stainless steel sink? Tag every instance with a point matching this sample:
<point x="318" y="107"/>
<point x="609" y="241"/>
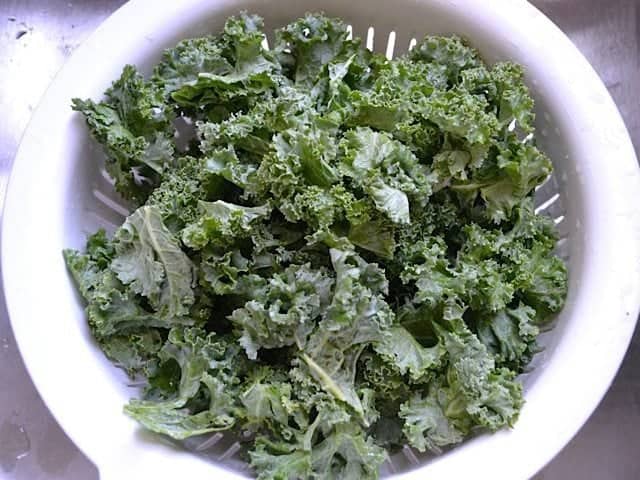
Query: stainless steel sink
<point x="36" y="36"/>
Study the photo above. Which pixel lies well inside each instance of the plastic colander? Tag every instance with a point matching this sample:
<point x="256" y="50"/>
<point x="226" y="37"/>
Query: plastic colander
<point x="57" y="195"/>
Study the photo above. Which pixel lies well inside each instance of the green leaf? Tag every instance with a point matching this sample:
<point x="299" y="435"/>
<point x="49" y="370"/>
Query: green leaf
<point x="221" y="223"/>
<point x="175" y="423"/>
<point x="407" y="355"/>
<point x="236" y="67"/>
<point x="375" y="236"/>
<point x="487" y="394"/>
<point x="112" y="307"/>
<point x="133" y="124"/>
<point x="225" y="163"/>
<point x="357" y="315"/>
<point x="205" y="363"/>
<point x="459" y="113"/>
<point x="182" y="64"/>
<point x="177" y="196"/>
<point x="149" y="259"/>
<point x="308" y="44"/>
<point x="348" y="454"/>
<point x="391" y="201"/>
<point x="449" y="52"/>
<point x="426" y="426"/>
<point x="134" y="353"/>
<point x="222" y="272"/>
<point x="286" y="310"/>
<point x="266" y="397"/>
<point x="276" y="462"/>
<point x="387" y="170"/>
<point x="510" y="333"/>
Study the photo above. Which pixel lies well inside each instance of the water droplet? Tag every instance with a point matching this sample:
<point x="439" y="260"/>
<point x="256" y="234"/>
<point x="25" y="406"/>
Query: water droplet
<point x="14" y="445"/>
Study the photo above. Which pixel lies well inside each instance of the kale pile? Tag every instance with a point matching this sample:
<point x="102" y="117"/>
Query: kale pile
<point x="331" y="251"/>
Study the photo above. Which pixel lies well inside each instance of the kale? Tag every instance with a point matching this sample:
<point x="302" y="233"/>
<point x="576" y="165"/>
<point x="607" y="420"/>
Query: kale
<point x="344" y="260"/>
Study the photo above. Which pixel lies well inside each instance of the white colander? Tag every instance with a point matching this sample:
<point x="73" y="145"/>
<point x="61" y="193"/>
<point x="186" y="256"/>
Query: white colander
<point x="57" y="195"/>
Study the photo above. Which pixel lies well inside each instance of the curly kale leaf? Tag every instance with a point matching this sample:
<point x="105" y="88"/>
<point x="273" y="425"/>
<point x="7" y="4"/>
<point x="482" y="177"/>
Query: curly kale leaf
<point x="426" y="425"/>
<point x="149" y="259"/>
<point x="305" y="46"/>
<point x="386" y="170"/>
<point x="285" y="311"/>
<point x="133" y="124"/>
<point x="112" y="307"/>
<point x="221" y="222"/>
<point x="205" y="363"/>
<point x="401" y="349"/>
<point x="450" y="54"/>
